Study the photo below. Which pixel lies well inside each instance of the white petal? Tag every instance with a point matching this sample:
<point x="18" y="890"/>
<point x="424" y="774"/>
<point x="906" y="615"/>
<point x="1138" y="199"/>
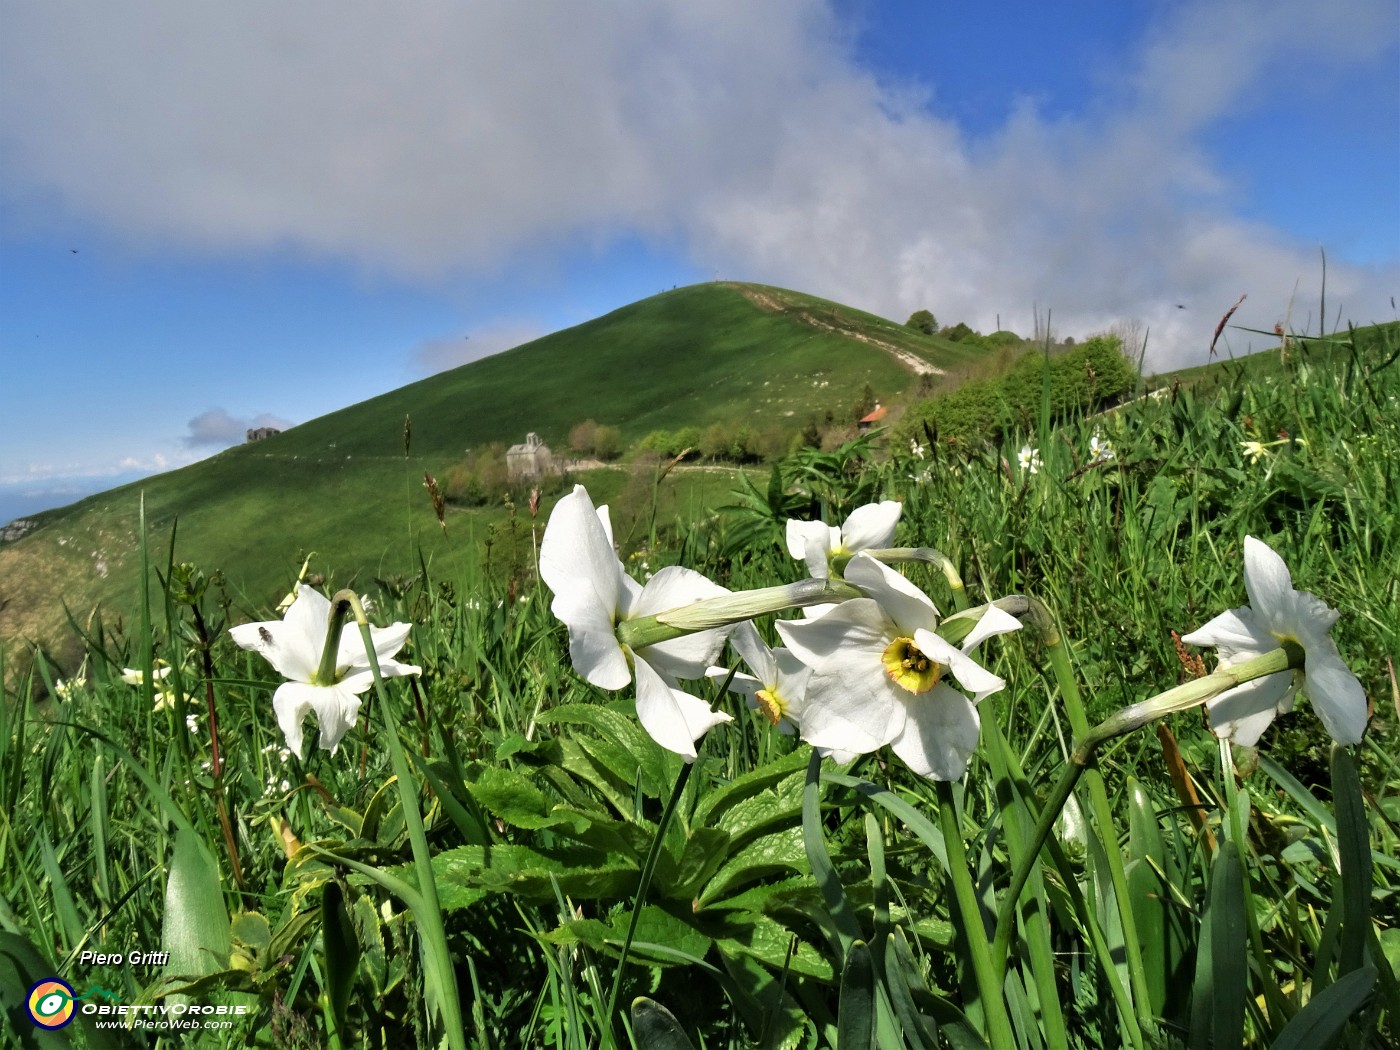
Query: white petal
<point x="940" y="733"/>
<point x="971" y="675"/>
<point x="745" y="685"/>
<point x="853" y="712"/>
<point x="605" y="519"/>
<point x="993" y="622"/>
<point x="335" y="707"/>
<point x="909" y="607"/>
<point x="1266" y="579"/>
<point x="871" y="526"/>
<point x="858" y="625"/>
<point x="672" y="588"/>
<point x="1236" y="633"/>
<point x="1336" y="696"/>
<point x="386" y="641"/>
<point x="1243" y="713"/>
<point x="818" y="555"/>
<point x="800" y="532"/>
<point x="576" y="552"/>
<point x="287" y="644"/>
<point x="674" y="719"/>
<point x="593" y="645"/>
<point x="755" y="652"/>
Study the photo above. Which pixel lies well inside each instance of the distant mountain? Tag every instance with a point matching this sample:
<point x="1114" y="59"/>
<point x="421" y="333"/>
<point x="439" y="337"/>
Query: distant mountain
<point x="343" y="486"/>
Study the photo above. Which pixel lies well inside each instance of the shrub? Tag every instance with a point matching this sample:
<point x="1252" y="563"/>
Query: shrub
<point x="922" y="321"/>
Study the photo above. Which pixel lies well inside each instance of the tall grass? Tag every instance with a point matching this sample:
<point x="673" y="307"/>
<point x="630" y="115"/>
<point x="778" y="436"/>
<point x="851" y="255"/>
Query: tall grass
<point x="1189" y="895"/>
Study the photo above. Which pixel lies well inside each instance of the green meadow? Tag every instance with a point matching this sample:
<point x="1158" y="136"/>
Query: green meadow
<point x="497" y="855"/>
<point x="344" y="485"/>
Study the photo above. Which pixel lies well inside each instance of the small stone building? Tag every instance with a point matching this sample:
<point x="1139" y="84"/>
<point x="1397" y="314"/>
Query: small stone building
<point x="261" y="433"/>
<point x="530" y="460"/>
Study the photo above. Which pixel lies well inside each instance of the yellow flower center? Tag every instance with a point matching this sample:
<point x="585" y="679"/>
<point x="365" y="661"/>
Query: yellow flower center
<point x="771" y="704"/>
<point x="909" y="668"/>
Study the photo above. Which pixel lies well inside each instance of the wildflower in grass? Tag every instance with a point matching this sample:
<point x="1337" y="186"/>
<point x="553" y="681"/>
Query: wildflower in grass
<point x="878" y="669"/>
<point x="295" y="645"/>
<point x="67" y="689"/>
<point x="1278" y="614"/>
<point x="915" y="449"/>
<point x="870" y="527"/>
<point x="778" y="683"/>
<point x="1029" y="459"/>
<point x="593" y="594"/>
<point x="1100" y="451"/>
<point x="778" y="686"/>
<point x="164" y="689"/>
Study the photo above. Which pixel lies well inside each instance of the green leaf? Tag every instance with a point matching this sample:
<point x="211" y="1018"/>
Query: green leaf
<point x="712" y="808"/>
<point x="1316" y="1024"/>
<point x="1147" y="856"/>
<point x="840" y="921"/>
<point x="624" y="745"/>
<point x="342" y="952"/>
<point x="705" y="850"/>
<point x="772" y="943"/>
<point x="770" y="855"/>
<point x="1222" y="972"/>
<point x="196" y="930"/>
<point x="515" y="800"/>
<point x="583" y="874"/>
<point x="855" y="1025"/>
<point x="1354" y="852"/>
<point x="654" y="1027"/>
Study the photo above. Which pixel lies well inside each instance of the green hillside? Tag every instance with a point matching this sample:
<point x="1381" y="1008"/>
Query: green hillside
<point x="341" y="485"/>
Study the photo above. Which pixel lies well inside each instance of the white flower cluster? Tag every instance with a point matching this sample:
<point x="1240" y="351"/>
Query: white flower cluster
<point x="851" y="678"/>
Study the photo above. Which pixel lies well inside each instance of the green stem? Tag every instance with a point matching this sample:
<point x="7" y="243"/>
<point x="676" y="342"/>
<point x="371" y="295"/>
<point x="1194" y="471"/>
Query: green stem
<point x="429" y="914"/>
<point x="729" y="609"/>
<point x="1104" y="825"/>
<point x="643" y="885"/>
<point x="989" y="985"/>
<point x="330" y="652"/>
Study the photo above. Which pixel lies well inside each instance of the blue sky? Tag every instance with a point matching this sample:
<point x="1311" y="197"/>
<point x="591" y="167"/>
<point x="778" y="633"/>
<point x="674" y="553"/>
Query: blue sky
<point x="213" y="217"/>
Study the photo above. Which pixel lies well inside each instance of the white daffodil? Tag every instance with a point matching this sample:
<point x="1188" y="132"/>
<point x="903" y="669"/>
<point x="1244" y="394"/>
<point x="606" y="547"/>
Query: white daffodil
<point x="1276" y="613"/>
<point x="870" y="527"/>
<point x="592" y="595"/>
<point x="1029" y="459"/>
<point x="878" y="674"/>
<point x="778" y="684"/>
<point x="164" y="690"/>
<point x="1100" y="451"/>
<point x="294" y="646"/>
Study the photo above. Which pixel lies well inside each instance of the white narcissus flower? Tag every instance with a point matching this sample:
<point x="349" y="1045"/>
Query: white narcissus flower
<point x="293" y="646"/>
<point x="878" y="674"/>
<point x="1277" y="613"/>
<point x="1100" y="451"/>
<point x="1029" y="459"/>
<point x="593" y="594"/>
<point x="870" y="527"/>
<point x="778" y="684"/>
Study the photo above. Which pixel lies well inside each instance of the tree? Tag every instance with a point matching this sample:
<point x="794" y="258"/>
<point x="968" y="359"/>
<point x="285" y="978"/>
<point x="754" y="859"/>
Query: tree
<point x="922" y="321"/>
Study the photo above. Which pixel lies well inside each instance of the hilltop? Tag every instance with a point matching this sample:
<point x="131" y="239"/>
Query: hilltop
<point x="342" y="484"/>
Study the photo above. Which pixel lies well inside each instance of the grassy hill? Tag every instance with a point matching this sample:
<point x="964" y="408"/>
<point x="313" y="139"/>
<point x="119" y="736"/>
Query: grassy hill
<point x="342" y="485"/>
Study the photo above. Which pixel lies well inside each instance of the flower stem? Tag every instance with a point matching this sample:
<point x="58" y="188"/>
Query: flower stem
<point x="1182" y="698"/>
<point x="429" y="913"/>
<point x="643" y="885"/>
<point x="729" y="609"/>
<point x="335" y="622"/>
<point x="989" y="985"/>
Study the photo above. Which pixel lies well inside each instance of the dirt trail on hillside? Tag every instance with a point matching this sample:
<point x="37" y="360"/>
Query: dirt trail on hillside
<point x="765" y="301"/>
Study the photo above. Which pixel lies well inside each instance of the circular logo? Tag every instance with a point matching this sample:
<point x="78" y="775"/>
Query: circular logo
<point x="50" y="1003"/>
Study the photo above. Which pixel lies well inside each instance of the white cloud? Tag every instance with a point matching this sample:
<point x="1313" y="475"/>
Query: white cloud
<point x="216" y="427"/>
<point x="439" y="139"/>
